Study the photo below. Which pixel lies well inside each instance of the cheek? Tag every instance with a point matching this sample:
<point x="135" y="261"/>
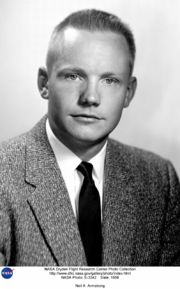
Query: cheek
<point x="66" y="86"/>
<point x="115" y="114"/>
<point x="114" y="106"/>
<point x="64" y="94"/>
<point x="58" y="97"/>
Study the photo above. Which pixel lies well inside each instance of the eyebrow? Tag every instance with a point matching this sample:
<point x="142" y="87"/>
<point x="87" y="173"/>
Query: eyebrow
<point x="82" y="72"/>
<point x="71" y="69"/>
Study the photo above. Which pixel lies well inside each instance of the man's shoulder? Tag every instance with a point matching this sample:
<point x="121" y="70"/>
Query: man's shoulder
<point x="14" y="149"/>
<point x="12" y="146"/>
<point x="12" y="160"/>
<point x="140" y="165"/>
<point x="134" y="156"/>
<point x="19" y="141"/>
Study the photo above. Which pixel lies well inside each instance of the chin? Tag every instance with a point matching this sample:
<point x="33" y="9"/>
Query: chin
<point x="90" y="138"/>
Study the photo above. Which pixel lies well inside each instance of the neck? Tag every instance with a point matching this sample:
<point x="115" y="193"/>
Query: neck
<point x="86" y="151"/>
<point x="83" y="149"/>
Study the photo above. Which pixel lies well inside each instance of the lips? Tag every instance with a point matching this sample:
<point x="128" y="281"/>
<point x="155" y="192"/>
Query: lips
<point x="83" y="115"/>
<point x="86" y="118"/>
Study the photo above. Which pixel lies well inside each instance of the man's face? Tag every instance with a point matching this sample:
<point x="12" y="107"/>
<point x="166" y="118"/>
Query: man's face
<point x="88" y="85"/>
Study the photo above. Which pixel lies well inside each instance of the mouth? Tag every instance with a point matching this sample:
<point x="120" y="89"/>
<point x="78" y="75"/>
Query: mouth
<point x="86" y="117"/>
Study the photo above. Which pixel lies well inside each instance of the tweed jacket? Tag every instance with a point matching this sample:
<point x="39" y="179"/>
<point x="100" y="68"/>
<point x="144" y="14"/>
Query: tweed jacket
<point x="141" y="207"/>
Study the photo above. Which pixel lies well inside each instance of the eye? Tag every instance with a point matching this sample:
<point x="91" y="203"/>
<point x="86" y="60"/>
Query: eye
<point x="111" y="81"/>
<point x="72" y="76"/>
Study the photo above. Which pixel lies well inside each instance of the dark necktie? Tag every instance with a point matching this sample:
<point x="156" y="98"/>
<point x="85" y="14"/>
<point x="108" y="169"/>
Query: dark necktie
<point x="89" y="221"/>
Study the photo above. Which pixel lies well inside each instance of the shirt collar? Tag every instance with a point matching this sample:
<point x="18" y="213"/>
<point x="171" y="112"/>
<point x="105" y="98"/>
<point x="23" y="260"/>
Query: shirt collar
<point x="68" y="160"/>
<point x="98" y="163"/>
<point x="64" y="156"/>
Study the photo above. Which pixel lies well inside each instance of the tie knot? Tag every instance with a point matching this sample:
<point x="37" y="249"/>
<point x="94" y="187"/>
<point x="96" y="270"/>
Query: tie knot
<point x="86" y="169"/>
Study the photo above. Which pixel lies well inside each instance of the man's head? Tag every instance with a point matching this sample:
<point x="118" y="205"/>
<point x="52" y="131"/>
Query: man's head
<point x="92" y="20"/>
<point x="88" y="80"/>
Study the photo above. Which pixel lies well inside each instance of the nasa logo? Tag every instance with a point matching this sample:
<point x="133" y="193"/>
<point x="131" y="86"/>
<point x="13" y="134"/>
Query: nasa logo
<point x="7" y="273"/>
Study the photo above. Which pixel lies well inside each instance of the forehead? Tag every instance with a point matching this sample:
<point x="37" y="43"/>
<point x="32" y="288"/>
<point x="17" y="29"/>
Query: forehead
<point x="82" y="47"/>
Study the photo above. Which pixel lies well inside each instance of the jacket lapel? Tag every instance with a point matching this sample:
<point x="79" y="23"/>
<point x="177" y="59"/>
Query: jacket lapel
<point x="52" y="211"/>
<point x="50" y="203"/>
<point x="119" y="210"/>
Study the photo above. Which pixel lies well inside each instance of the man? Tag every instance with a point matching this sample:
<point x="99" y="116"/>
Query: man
<point x="69" y="195"/>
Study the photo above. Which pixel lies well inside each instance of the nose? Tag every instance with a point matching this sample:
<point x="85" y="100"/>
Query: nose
<point x="89" y="94"/>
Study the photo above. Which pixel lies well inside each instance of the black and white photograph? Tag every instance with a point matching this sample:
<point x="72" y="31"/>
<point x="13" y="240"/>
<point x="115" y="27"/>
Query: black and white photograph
<point x="89" y="143"/>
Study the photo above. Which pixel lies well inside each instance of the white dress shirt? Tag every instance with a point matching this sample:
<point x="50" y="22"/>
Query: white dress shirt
<point x="68" y="162"/>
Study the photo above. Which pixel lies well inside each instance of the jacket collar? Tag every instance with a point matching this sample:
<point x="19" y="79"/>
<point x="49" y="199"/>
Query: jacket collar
<point x="52" y="209"/>
<point x="120" y="207"/>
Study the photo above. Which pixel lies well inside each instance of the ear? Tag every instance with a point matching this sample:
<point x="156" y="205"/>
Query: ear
<point x="130" y="91"/>
<point x="43" y="82"/>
